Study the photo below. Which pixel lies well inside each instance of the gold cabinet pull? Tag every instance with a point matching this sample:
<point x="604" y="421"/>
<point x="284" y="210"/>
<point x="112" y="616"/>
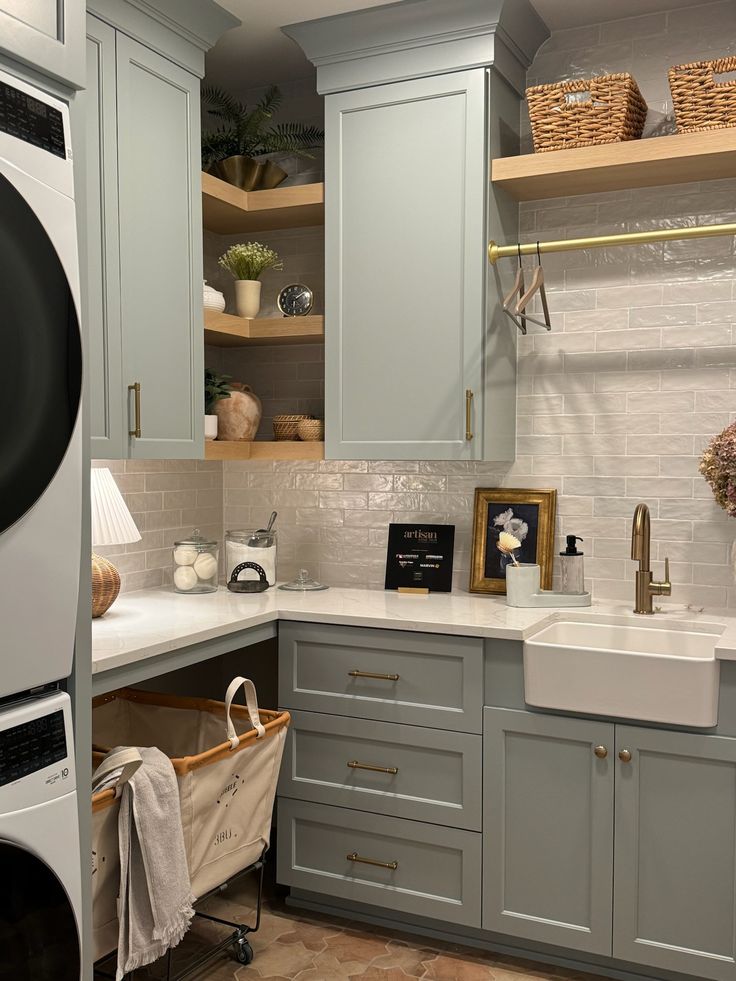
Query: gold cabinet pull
<point x="136" y="389"/>
<point x="625" y="756"/>
<point x="372" y="674"/>
<point x="357" y="765"/>
<point x="468" y="413"/>
<point x="601" y="752"/>
<point x="355" y="857"/>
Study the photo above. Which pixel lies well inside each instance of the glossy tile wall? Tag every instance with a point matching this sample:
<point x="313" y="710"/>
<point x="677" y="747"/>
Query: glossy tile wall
<point x="615" y="405"/>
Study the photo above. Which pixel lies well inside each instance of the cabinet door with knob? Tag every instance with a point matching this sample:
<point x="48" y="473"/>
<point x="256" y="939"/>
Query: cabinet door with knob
<point x="405" y="252"/>
<point x="675" y="867"/>
<point x="548" y="828"/>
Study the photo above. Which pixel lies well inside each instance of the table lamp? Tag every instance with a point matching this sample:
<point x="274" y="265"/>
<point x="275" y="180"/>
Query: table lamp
<point x="112" y="524"/>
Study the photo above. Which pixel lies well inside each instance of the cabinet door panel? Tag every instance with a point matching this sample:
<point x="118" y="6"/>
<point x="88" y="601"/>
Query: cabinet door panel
<point x="104" y="370"/>
<point x="405" y="255"/>
<point x="676" y="852"/>
<point x="548" y="829"/>
<point x="47" y="36"/>
<point x="160" y="251"/>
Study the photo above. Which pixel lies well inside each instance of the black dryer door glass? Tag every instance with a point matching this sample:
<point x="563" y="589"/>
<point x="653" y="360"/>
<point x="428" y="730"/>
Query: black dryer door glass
<point x="39" y="940"/>
<point x="40" y="358"/>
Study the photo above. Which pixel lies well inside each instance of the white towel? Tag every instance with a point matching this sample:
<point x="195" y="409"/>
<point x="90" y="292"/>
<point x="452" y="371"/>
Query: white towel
<point x="155" y="904"/>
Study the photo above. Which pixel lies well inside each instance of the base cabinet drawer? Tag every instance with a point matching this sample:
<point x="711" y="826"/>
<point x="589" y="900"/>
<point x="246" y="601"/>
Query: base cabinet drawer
<point x="429" y="680"/>
<point x="387" y="862"/>
<point x="402" y="771"/>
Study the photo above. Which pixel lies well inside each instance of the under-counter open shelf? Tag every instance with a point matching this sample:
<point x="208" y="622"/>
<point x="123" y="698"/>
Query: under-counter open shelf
<point x="224" y="330"/>
<point x="228" y="210"/>
<point x="264" y="450"/>
<point x="676" y="159"/>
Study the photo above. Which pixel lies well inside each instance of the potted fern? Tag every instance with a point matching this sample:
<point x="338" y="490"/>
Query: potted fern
<point x="215" y="388"/>
<point x="229" y="148"/>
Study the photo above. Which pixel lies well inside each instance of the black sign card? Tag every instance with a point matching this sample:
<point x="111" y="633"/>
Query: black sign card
<point x="420" y="557"/>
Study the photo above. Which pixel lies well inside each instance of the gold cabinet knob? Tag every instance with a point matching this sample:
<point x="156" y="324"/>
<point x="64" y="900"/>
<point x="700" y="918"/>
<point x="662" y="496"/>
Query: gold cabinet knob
<point x="601" y="752"/>
<point x="625" y="756"/>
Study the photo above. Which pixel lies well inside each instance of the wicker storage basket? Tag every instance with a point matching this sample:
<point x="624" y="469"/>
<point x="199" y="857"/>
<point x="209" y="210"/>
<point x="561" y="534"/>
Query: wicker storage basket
<point x="287" y="426"/>
<point x="700" y="101"/>
<point x="311" y="430"/>
<point x="612" y="110"/>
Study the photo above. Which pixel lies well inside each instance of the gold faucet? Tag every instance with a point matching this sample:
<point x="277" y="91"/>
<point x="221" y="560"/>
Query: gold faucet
<point x="645" y="586"/>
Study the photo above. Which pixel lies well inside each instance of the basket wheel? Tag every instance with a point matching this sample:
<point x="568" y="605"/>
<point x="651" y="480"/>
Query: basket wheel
<point x="242" y="950"/>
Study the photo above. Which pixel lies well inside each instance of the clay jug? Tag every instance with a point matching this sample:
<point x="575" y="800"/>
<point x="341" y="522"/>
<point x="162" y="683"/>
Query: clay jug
<point x="238" y="417"/>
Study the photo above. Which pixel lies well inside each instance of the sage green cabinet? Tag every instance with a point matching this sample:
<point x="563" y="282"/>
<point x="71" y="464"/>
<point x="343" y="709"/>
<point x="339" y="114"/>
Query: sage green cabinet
<point x="144" y="254"/>
<point x="548" y="829"/>
<point x="48" y="37"/>
<point x="675" y="866"/>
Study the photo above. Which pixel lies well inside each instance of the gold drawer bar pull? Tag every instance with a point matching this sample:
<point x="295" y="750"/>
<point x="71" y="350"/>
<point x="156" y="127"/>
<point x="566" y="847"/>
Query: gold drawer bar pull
<point x="356" y="765"/>
<point x="355" y="857"/>
<point x="372" y="674"/>
<point x="136" y="390"/>
<point x="468" y="412"/>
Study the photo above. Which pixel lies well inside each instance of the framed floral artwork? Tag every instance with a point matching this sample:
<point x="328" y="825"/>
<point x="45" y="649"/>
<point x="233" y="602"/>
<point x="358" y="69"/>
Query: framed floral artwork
<point x="528" y="515"/>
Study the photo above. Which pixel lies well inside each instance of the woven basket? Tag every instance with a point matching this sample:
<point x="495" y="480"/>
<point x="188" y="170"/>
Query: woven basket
<point x="700" y="101"/>
<point x="311" y="430"/>
<point x="287" y="426"/>
<point x="614" y="112"/>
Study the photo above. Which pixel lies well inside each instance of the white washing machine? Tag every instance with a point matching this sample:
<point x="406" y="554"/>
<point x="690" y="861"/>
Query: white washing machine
<point x="40" y="887"/>
<point x="41" y="355"/>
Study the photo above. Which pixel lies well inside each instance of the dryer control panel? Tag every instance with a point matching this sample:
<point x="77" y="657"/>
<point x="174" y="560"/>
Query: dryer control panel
<point x="31" y="120"/>
<point x="32" y="746"/>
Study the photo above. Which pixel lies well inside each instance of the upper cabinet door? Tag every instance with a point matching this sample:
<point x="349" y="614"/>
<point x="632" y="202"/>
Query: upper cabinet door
<point x="405" y="180"/>
<point x="548" y="829"/>
<point x="104" y="372"/>
<point x="676" y="852"/>
<point x="46" y="36"/>
<point x="160" y="252"/>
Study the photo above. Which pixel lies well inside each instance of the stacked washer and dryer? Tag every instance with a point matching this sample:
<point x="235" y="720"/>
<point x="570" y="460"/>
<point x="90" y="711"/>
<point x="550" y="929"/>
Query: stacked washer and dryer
<point x="40" y="537"/>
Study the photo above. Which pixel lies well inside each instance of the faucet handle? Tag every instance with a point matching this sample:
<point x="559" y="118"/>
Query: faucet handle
<point x="663" y="588"/>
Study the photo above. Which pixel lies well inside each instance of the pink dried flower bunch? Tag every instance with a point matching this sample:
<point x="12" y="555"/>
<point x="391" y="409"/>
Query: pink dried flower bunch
<point x="718" y="466"/>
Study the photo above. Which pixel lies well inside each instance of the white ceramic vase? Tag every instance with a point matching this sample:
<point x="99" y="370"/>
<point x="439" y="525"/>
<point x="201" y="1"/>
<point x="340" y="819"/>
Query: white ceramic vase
<point x="210" y="427"/>
<point x="247" y="297"/>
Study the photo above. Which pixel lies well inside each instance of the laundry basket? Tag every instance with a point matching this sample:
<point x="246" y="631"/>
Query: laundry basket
<point x="227" y="784"/>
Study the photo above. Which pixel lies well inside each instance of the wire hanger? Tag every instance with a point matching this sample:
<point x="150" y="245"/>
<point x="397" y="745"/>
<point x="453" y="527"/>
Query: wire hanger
<point x="509" y="306"/>
<point x="537" y="286"/>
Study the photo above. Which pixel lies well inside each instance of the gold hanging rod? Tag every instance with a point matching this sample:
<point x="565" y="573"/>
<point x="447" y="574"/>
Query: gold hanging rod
<point x="496" y="252"/>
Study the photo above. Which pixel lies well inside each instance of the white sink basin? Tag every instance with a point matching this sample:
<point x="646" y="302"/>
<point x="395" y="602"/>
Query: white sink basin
<point x="652" y="672"/>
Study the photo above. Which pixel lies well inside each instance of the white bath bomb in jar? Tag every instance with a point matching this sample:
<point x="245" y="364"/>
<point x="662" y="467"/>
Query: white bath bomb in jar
<point x="185" y="578"/>
<point x="206" y="566"/>
<point x="185" y="555"/>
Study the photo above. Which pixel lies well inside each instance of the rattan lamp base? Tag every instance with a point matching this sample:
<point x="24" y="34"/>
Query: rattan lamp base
<point x="105" y="585"/>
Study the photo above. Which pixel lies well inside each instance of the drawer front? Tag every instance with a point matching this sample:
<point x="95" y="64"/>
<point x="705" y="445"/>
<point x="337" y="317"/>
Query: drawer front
<point x="404" y="771"/>
<point x="423" y="869"/>
<point x="389" y="675"/>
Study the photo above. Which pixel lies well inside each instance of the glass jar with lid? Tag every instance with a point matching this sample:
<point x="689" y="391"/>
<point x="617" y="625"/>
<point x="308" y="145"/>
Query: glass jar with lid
<point x="196" y="564"/>
<point x="251" y="545"/>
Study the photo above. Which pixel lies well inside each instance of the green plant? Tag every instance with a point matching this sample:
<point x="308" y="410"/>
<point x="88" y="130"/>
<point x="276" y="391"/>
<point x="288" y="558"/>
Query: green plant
<point x="215" y="388"/>
<point x="248" y="260"/>
<point x="248" y="131"/>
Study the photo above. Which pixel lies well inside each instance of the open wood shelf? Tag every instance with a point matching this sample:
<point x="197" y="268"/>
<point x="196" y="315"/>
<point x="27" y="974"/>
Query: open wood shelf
<point x="677" y="159"/>
<point x="224" y="330"/>
<point x="263" y="450"/>
<point x="227" y="210"/>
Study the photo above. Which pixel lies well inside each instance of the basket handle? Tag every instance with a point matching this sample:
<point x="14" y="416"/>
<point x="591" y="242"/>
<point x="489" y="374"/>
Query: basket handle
<point x="251" y="701"/>
<point x="127" y="760"/>
<point x="723" y="66"/>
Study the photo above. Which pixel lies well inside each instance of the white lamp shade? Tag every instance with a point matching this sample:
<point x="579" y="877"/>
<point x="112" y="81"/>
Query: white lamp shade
<point x="112" y="523"/>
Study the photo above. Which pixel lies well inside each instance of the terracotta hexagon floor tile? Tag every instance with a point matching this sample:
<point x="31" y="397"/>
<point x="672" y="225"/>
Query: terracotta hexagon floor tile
<point x="281" y="960"/>
<point x="327" y="967"/>
<point x="374" y="973"/>
<point x="314" y="936"/>
<point x="411" y="960"/>
<point x="443" y="968"/>
<point x="354" y="945"/>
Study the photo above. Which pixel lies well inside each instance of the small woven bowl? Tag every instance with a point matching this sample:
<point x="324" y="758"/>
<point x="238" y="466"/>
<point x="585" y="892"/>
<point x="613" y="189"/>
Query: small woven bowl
<point x="311" y="430"/>
<point x="287" y="426"/>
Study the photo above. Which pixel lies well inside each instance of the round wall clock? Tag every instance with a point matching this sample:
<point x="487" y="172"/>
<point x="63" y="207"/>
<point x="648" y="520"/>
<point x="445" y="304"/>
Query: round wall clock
<point x="295" y="300"/>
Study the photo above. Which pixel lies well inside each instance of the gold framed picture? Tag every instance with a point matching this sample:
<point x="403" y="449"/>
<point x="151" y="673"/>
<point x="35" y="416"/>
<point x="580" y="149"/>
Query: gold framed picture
<point x="529" y="515"/>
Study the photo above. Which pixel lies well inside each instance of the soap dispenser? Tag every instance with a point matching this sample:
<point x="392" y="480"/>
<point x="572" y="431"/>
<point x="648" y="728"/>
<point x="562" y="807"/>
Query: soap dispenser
<point x="572" y="578"/>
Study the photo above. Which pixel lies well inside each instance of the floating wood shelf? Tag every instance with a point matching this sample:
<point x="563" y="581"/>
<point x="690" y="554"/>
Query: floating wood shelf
<point x="676" y="159"/>
<point x="227" y="210"/>
<point x="262" y="450"/>
<point x="224" y="330"/>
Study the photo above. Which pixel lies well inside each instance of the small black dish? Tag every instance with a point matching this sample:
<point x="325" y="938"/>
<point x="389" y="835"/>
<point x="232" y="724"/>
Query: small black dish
<point x="259" y="585"/>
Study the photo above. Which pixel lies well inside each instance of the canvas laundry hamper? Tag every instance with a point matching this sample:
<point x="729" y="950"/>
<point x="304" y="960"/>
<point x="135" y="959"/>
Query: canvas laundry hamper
<point x="226" y="759"/>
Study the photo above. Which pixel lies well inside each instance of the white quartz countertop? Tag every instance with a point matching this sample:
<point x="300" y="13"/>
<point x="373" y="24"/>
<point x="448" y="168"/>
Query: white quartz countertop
<point x="151" y="622"/>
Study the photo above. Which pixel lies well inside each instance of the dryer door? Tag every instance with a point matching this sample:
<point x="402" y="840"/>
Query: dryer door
<point x="40" y="351"/>
<point x="39" y="940"/>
